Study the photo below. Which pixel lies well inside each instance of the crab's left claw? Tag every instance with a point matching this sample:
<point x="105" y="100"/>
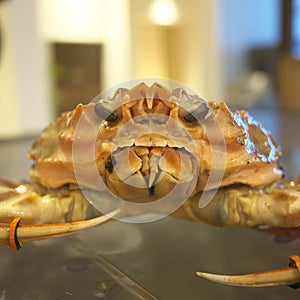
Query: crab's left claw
<point x="289" y="276"/>
<point x="15" y="234"/>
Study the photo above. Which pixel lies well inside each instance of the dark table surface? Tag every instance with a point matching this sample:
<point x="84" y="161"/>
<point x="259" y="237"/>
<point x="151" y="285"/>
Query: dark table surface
<point x="156" y="260"/>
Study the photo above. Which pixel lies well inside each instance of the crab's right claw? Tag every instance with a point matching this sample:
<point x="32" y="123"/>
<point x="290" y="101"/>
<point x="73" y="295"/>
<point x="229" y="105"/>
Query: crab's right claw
<point x="14" y="234"/>
<point x="289" y="276"/>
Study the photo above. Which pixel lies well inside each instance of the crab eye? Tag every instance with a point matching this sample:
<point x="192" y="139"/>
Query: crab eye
<point x="199" y="113"/>
<point x="104" y="113"/>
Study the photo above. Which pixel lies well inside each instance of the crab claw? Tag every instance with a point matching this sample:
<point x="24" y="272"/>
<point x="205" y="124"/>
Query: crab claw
<point x="14" y="234"/>
<point x="289" y="276"/>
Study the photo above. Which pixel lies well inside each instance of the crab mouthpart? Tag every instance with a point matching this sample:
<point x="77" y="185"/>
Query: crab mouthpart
<point x="149" y="168"/>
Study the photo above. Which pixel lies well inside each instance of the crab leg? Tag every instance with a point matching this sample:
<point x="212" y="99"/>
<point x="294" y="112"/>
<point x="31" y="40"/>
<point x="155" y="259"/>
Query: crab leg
<point x="274" y="209"/>
<point x="14" y="234"/>
<point x="289" y="276"/>
<point x="285" y="276"/>
<point x="30" y="212"/>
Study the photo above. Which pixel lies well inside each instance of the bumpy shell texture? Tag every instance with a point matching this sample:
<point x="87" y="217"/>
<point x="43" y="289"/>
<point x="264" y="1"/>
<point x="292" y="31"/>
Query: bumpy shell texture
<point x="148" y="139"/>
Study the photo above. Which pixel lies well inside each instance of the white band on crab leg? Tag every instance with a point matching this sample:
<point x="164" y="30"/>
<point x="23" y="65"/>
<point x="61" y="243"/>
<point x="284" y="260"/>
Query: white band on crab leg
<point x="289" y="276"/>
<point x="14" y="234"/>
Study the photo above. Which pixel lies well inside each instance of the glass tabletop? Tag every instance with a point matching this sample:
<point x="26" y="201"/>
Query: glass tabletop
<point x="142" y="261"/>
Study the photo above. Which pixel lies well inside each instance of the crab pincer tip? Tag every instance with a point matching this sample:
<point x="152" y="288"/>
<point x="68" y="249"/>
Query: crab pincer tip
<point x="281" y="277"/>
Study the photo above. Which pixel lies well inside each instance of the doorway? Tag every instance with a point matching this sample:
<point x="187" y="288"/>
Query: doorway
<point x="76" y="73"/>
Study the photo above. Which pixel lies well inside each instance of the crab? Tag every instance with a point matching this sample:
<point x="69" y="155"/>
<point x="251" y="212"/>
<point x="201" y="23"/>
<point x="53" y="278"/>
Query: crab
<point x="154" y="151"/>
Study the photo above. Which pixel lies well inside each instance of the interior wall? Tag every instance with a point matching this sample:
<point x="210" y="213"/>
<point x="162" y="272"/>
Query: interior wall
<point x="205" y="49"/>
<point x="117" y="44"/>
<point x="23" y="73"/>
<point x="187" y="51"/>
<point x="245" y="25"/>
<point x="9" y="113"/>
<point x="197" y="52"/>
<point x="91" y="21"/>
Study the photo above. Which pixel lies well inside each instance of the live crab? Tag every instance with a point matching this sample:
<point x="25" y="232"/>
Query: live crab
<point x="145" y="142"/>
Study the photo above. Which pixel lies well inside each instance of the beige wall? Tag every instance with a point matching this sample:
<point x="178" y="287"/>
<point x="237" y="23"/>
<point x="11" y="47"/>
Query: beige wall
<point x="24" y="84"/>
<point x="133" y="47"/>
<point x="25" y="72"/>
<point x="91" y="21"/>
<point x="289" y="79"/>
<point x="9" y="114"/>
<point x="188" y="51"/>
<point x="193" y="51"/>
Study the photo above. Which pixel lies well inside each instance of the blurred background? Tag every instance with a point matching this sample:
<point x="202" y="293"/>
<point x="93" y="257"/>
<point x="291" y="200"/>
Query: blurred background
<point x="57" y="53"/>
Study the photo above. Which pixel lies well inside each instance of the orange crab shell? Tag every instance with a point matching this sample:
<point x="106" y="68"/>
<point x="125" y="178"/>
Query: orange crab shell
<point x="251" y="154"/>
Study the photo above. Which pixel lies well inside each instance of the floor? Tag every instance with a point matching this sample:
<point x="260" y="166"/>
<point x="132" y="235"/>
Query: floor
<point x="155" y="260"/>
